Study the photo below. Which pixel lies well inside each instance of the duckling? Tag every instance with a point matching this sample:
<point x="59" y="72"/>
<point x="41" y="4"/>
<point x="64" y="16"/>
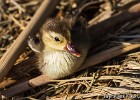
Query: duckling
<point x="62" y="47"/>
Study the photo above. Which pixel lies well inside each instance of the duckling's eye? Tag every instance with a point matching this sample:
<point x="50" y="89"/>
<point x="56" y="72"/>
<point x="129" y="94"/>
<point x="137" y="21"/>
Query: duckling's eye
<point x="57" y="39"/>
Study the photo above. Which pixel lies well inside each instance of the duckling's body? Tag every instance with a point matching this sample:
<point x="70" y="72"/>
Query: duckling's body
<point x="58" y="64"/>
<point x="57" y="56"/>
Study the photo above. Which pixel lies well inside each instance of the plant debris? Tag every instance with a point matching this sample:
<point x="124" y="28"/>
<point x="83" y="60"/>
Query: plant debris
<point x="109" y="78"/>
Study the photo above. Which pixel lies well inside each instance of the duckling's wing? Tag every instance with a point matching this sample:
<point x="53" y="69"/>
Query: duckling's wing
<point x="35" y="47"/>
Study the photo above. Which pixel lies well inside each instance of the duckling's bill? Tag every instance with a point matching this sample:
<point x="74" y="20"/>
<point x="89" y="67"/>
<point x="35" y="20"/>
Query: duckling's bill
<point x="70" y="48"/>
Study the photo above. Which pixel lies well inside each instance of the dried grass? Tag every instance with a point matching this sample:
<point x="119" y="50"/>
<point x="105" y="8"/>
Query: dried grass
<point x="118" y="76"/>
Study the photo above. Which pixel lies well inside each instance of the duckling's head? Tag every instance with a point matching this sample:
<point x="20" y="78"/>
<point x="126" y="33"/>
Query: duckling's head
<point x="55" y="34"/>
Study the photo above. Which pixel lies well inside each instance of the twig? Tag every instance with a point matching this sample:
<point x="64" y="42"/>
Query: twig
<point x="6" y="83"/>
<point x="5" y="22"/>
<point x="17" y="22"/>
<point x="30" y="3"/>
<point x="99" y="18"/>
<point x="125" y="36"/>
<point x="17" y="5"/>
<point x="109" y="66"/>
<point x="12" y="54"/>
